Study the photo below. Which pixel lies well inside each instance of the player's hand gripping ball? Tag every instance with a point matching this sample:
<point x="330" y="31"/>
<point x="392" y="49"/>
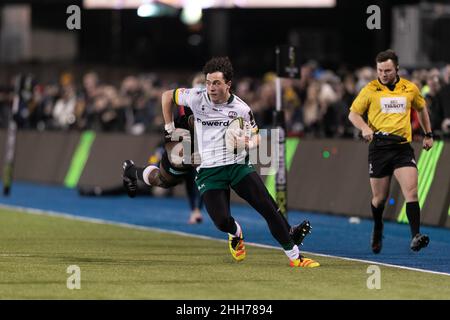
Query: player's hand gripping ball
<point x="237" y="136"/>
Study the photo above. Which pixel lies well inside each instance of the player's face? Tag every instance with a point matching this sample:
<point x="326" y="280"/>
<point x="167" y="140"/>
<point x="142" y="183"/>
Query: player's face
<point x="387" y="72"/>
<point x="218" y="89"/>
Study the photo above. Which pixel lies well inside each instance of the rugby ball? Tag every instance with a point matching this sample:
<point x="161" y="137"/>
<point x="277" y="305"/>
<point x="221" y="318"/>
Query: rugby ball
<point x="236" y="137"/>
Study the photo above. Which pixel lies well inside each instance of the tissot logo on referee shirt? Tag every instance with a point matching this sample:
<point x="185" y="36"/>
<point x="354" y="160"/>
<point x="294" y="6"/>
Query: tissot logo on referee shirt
<point x="393" y="104"/>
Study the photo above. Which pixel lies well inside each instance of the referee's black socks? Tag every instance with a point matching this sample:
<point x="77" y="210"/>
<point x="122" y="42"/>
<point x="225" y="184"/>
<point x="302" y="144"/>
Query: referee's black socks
<point x="377" y="214"/>
<point x="413" y="214"/>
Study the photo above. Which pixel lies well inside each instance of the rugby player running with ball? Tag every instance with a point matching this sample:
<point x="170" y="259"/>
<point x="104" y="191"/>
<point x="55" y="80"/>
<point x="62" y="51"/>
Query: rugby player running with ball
<point x="214" y="108"/>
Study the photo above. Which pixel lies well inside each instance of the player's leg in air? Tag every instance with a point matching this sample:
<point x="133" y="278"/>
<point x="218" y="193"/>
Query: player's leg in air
<point x="150" y="175"/>
<point x="170" y="172"/>
<point x="163" y="176"/>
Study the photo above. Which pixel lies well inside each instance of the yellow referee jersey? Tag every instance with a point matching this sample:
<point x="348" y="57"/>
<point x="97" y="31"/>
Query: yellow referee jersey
<point x="389" y="111"/>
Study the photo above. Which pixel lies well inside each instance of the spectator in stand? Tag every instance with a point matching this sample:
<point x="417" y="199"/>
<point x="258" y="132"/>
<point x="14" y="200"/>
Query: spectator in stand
<point x="291" y="106"/>
<point x="441" y="111"/>
<point x="327" y="98"/>
<point x="90" y="90"/>
<point x="64" y="110"/>
<point x="430" y="92"/>
<point x="264" y="104"/>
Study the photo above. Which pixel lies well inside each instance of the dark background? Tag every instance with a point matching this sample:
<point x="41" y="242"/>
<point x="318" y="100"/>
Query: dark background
<point x="335" y="37"/>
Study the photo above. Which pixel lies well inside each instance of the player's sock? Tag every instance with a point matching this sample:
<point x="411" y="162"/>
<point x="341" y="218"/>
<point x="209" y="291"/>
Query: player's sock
<point x="413" y="214"/>
<point x="377" y="214"/>
<point x="238" y="231"/>
<point x="144" y="174"/>
<point x="139" y="173"/>
<point x="292" y="253"/>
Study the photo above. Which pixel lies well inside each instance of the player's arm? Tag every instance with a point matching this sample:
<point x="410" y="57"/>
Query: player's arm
<point x="421" y="107"/>
<point x="424" y="119"/>
<point x="357" y="120"/>
<point x="358" y="108"/>
<point x="425" y="123"/>
<point x="167" y="110"/>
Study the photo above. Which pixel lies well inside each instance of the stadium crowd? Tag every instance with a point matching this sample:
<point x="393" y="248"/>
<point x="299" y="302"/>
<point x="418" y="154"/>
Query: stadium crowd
<point x="315" y="105"/>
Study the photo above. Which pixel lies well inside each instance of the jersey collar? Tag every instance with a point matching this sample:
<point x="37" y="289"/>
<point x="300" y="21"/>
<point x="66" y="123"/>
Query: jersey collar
<point x="390" y="86"/>
<point x="230" y="100"/>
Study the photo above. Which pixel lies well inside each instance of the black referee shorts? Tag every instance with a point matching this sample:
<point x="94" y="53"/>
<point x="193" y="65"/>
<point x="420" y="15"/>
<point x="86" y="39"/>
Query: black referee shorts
<point x="384" y="159"/>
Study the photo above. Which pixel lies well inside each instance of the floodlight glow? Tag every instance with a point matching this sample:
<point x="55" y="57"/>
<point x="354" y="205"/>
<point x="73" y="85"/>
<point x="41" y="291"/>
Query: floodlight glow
<point x="147" y="10"/>
<point x="192" y="13"/>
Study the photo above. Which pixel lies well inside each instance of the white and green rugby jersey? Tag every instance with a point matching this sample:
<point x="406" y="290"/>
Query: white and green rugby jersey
<point x="211" y="123"/>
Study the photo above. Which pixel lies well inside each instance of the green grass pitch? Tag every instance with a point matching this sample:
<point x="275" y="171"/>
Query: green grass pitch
<point x="117" y="262"/>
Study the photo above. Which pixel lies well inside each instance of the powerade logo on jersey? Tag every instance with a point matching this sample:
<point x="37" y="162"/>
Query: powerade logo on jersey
<point x="213" y="123"/>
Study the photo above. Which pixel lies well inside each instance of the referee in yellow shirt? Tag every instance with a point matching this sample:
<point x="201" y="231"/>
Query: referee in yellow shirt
<point x="388" y="102"/>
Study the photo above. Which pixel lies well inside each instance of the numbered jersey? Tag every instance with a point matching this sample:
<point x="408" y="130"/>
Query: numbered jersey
<point x="211" y="123"/>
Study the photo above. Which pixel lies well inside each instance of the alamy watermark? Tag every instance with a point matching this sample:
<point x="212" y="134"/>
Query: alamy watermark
<point x="374" y="20"/>
<point x="266" y="155"/>
<point x="73" y="22"/>
<point x="74" y="280"/>
<point x="374" y="280"/>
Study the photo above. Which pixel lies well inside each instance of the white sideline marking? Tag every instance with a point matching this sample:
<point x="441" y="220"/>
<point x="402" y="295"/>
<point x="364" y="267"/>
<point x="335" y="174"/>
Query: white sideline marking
<point x="133" y="226"/>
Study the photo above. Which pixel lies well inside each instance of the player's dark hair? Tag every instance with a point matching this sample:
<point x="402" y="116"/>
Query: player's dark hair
<point x="219" y="64"/>
<point x="386" y="55"/>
